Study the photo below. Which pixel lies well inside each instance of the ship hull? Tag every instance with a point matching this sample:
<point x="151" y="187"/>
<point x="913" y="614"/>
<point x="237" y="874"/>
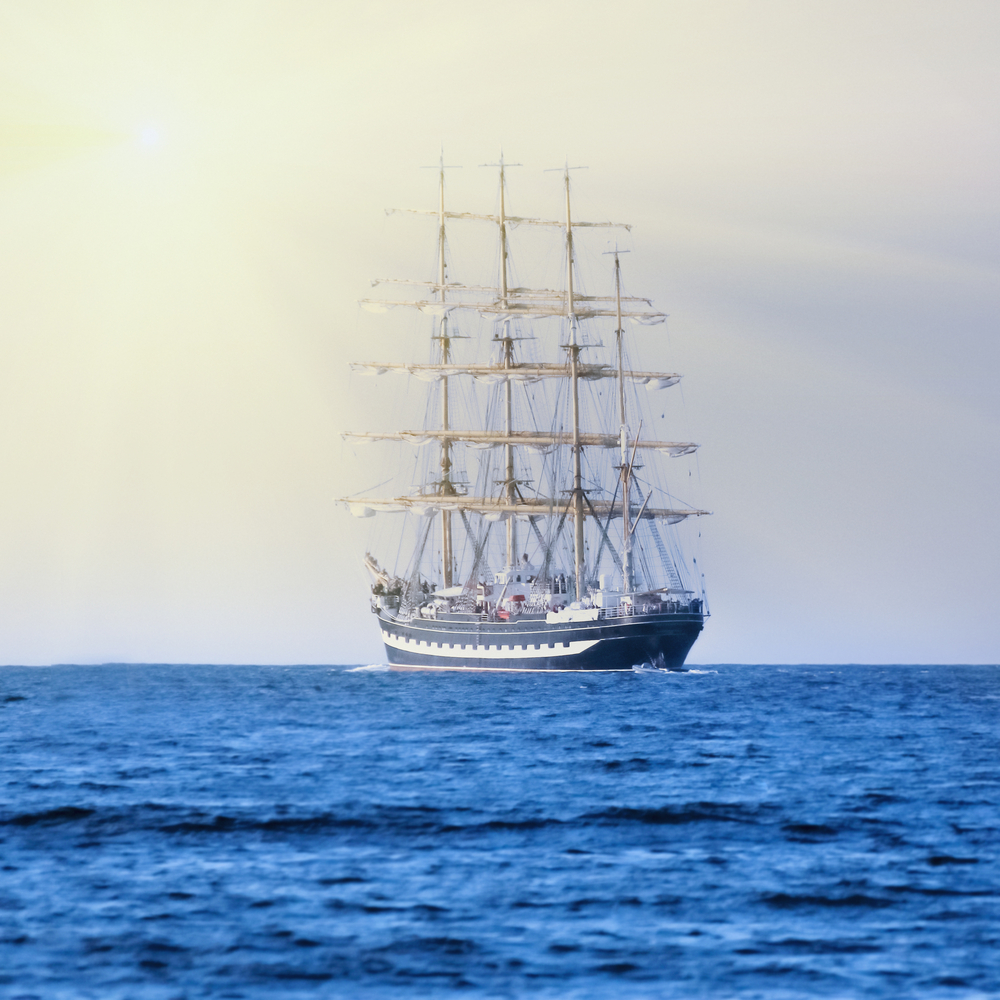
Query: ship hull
<point x="530" y="643"/>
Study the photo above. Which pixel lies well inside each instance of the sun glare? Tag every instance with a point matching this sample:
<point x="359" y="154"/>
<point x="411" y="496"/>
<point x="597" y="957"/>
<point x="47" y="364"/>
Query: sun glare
<point x="149" y="136"/>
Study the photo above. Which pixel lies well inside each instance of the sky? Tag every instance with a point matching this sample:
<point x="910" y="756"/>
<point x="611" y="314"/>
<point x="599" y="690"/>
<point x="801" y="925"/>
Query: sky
<point x="192" y="201"/>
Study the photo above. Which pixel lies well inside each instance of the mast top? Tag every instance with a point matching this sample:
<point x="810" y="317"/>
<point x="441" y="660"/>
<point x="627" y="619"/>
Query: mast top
<point x="501" y="163"/>
<point x="566" y="168"/>
<point x="441" y="165"/>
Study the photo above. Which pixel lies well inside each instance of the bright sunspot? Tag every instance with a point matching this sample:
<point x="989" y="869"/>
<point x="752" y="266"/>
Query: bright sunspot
<point x="149" y="136"/>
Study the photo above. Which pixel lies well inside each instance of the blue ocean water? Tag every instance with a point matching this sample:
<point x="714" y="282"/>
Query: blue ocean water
<point x="741" y="831"/>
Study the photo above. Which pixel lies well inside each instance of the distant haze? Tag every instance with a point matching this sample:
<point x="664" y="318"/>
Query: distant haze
<point x="191" y="204"/>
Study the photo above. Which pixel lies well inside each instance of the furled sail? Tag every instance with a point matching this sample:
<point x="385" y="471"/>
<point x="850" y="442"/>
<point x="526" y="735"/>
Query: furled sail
<point x="500" y="509"/>
<point x="522" y="372"/>
<point x="513" y="309"/>
<point x="511" y="220"/>
<point x="529" y="439"/>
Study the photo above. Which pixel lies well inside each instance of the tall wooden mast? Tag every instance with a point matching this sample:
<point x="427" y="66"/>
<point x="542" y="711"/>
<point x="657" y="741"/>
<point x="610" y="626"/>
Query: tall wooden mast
<point x="446" y="487"/>
<point x="508" y="360"/>
<point x="626" y="464"/>
<point x="574" y="368"/>
<point x="510" y="480"/>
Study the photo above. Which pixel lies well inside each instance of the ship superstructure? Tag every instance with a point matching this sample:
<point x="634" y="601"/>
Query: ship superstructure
<point x="539" y="535"/>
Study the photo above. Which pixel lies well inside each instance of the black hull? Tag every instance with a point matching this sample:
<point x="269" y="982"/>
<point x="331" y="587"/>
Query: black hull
<point x="466" y="642"/>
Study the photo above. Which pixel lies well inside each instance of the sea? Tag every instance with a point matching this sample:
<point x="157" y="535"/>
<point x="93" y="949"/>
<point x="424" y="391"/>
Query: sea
<point x="348" y="831"/>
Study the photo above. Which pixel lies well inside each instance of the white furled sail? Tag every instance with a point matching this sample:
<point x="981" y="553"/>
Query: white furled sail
<point x="514" y="373"/>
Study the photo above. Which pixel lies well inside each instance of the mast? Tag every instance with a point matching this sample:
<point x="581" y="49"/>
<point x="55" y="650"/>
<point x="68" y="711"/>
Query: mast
<point x="574" y="367"/>
<point x="508" y="360"/>
<point x="447" y="561"/>
<point x="626" y="468"/>
<point x="509" y="480"/>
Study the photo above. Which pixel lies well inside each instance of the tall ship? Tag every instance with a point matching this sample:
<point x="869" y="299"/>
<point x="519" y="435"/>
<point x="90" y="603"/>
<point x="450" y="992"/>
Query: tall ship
<point x="534" y="528"/>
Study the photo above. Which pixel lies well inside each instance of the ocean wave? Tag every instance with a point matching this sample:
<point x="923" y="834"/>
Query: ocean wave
<point x="49" y="817"/>
<point x="788" y="901"/>
<point x="670" y="816"/>
<point x="371" y="819"/>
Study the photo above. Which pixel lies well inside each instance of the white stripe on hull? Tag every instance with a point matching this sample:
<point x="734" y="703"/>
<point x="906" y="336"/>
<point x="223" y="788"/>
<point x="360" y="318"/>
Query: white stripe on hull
<point x="493" y="651"/>
<point x="502" y="669"/>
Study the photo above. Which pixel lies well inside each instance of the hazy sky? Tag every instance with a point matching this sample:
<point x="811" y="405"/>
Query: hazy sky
<point x="191" y="203"/>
